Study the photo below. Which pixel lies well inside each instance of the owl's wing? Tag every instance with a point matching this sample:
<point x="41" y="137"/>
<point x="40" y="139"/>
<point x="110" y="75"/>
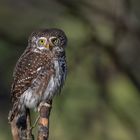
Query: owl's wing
<point x="28" y="68"/>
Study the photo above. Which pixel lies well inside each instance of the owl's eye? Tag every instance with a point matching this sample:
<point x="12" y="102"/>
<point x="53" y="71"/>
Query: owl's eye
<point x="55" y="40"/>
<point x="41" y="41"/>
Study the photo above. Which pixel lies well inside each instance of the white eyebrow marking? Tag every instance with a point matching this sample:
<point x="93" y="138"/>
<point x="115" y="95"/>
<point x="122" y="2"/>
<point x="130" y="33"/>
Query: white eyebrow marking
<point x="33" y="39"/>
<point x="42" y="38"/>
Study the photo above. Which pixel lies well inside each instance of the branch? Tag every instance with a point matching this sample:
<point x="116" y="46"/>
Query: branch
<point x="43" y="124"/>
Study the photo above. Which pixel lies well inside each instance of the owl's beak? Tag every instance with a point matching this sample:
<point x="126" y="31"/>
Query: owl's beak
<point x="47" y="46"/>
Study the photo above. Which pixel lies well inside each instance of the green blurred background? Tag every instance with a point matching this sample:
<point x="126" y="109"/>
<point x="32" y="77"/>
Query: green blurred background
<point x="100" y="100"/>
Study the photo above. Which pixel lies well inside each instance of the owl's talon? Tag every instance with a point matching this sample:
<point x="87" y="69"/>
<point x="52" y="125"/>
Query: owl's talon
<point x="43" y="104"/>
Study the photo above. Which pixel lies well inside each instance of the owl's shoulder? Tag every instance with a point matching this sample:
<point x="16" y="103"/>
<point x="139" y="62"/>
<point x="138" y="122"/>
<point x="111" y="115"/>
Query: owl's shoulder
<point x="28" y="62"/>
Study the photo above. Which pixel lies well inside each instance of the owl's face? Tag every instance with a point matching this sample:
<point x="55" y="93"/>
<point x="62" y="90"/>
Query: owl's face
<point x="49" y="39"/>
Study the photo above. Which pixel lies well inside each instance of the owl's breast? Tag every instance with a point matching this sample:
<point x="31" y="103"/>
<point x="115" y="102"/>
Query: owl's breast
<point x="41" y="90"/>
<point x="56" y="81"/>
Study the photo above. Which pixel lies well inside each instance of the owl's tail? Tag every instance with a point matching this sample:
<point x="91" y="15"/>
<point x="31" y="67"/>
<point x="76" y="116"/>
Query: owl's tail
<point x="18" y="121"/>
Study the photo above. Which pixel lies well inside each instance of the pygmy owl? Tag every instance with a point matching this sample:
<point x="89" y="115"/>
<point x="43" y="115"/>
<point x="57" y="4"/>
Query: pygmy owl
<point x="40" y="71"/>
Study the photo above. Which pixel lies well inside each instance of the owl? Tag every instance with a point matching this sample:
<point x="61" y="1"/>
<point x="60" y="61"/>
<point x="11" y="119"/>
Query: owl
<point x="40" y="72"/>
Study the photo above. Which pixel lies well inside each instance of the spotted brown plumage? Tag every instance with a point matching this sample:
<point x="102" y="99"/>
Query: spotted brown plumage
<point x="26" y="70"/>
<point x="40" y="72"/>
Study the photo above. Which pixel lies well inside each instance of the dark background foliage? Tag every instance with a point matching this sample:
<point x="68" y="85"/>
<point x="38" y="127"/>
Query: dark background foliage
<point x="100" y="99"/>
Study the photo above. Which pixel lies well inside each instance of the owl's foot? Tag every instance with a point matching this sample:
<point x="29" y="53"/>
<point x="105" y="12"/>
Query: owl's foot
<point x="43" y="104"/>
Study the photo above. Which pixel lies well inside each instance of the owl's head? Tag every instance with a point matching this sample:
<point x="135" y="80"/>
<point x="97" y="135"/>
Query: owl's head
<point x="48" y="39"/>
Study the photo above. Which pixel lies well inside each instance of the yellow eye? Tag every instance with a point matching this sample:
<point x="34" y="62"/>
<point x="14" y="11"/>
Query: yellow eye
<point x="54" y="40"/>
<point x="41" y="41"/>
